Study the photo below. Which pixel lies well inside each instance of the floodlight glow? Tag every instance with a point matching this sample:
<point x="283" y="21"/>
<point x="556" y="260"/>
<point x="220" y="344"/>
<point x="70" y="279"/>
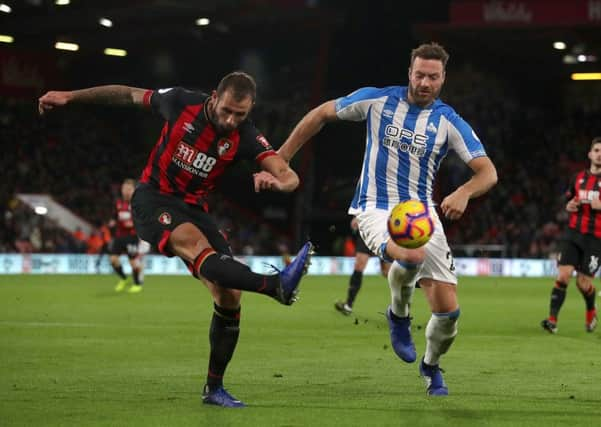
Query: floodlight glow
<point x="115" y="52"/>
<point x="6" y="39"/>
<point x="41" y="210"/>
<point x="62" y="2"/>
<point x="586" y="76"/>
<point x="201" y="22"/>
<point x="105" y="22"/>
<point x="66" y="46"/>
<point x="581" y="58"/>
<point x="5" y="8"/>
<point x="559" y="45"/>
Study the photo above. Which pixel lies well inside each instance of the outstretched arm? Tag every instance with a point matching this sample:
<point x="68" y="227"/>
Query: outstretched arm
<point x="106" y="95"/>
<point x="309" y="125"/>
<point x="485" y="176"/>
<point x="276" y="176"/>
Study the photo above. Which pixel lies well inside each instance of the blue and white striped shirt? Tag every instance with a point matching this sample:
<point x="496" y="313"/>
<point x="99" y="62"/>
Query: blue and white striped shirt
<point x="405" y="145"/>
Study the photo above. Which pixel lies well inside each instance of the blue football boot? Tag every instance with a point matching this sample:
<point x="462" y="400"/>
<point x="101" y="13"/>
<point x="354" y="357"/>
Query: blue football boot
<point x="291" y="275"/>
<point x="400" y="336"/>
<point x="435" y="385"/>
<point x="220" y="397"/>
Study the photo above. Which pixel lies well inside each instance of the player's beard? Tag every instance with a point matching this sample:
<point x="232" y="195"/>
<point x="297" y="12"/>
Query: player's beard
<point x="224" y="129"/>
<point x="212" y="115"/>
<point x="423" y="99"/>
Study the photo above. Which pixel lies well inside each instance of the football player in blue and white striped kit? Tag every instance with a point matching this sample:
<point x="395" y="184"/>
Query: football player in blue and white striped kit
<point x="409" y="132"/>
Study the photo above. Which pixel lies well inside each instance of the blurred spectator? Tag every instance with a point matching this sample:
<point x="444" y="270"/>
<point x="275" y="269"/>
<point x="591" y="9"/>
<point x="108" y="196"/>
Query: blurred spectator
<point x="81" y="158"/>
<point x="94" y="242"/>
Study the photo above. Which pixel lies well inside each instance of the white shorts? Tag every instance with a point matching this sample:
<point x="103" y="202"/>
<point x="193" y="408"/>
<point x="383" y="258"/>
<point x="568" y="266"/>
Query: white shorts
<point x="438" y="264"/>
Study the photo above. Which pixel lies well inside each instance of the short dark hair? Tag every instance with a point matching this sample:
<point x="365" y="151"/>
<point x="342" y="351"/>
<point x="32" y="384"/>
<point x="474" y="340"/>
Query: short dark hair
<point x="129" y="181"/>
<point x="430" y="50"/>
<point x="240" y="84"/>
<point x="596" y="140"/>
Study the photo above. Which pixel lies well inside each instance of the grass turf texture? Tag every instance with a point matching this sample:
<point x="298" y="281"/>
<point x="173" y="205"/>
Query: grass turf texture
<point x="73" y="352"/>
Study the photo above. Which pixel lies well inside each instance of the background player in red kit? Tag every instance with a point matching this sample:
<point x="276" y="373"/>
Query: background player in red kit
<point x="580" y="247"/>
<point x="125" y="240"/>
<point x="202" y="135"/>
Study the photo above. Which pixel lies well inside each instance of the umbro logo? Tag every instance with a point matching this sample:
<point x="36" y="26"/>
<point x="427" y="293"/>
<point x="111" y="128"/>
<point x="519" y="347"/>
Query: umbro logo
<point x="388" y="113"/>
<point x="432" y="128"/>
<point x="188" y="127"/>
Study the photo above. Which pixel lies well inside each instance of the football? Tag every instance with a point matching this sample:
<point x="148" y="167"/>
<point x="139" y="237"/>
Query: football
<point x="410" y="224"/>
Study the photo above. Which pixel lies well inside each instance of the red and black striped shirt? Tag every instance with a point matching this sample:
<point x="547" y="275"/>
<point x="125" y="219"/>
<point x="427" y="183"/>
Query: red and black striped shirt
<point x="585" y="220"/>
<point x="190" y="155"/>
<point x="123" y="218"/>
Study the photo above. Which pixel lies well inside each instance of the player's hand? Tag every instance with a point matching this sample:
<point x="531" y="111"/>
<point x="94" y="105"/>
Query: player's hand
<point x="266" y="181"/>
<point x="572" y="205"/>
<point x="453" y="206"/>
<point x="53" y="99"/>
<point x="596" y="204"/>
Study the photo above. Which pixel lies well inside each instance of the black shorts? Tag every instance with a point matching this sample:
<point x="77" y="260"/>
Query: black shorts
<point x="156" y="215"/>
<point x="583" y="251"/>
<point x="124" y="245"/>
<point x="360" y="246"/>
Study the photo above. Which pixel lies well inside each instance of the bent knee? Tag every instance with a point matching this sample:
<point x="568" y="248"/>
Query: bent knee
<point x="408" y="256"/>
<point x="187" y="241"/>
<point x="584" y="281"/>
<point x="415" y="256"/>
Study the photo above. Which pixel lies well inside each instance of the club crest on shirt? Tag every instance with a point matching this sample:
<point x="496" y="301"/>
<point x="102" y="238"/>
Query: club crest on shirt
<point x="223" y="146"/>
<point x="165" y="218"/>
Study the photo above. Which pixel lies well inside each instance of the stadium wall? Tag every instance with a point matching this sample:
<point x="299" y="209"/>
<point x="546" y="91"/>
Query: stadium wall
<point x="160" y="265"/>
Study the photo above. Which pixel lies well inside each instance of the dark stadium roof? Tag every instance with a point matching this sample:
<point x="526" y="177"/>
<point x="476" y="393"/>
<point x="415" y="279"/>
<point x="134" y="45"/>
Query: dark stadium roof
<point x="368" y="29"/>
<point x="38" y="23"/>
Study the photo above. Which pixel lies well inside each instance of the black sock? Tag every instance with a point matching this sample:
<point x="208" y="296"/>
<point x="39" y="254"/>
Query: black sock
<point x="354" y="286"/>
<point x="138" y="276"/>
<point x="558" y="295"/>
<point x="589" y="297"/>
<point x="119" y="270"/>
<point x="223" y="337"/>
<point x="225" y="271"/>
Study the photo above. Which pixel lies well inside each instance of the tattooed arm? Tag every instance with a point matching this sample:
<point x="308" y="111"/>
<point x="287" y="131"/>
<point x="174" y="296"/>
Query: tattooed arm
<point x="105" y="95"/>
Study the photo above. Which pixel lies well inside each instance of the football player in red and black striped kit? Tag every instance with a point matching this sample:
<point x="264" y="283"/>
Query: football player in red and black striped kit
<point x="125" y="240"/>
<point x="203" y="134"/>
<point x="580" y="247"/>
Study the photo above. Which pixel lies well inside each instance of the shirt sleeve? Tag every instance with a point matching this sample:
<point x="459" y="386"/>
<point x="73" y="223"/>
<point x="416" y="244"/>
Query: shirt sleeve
<point x="463" y="140"/>
<point x="253" y="145"/>
<point x="355" y="106"/>
<point x="169" y="102"/>
<point x="570" y="192"/>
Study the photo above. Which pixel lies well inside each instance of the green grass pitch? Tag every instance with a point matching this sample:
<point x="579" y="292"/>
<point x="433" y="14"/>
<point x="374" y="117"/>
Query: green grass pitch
<point x="74" y="353"/>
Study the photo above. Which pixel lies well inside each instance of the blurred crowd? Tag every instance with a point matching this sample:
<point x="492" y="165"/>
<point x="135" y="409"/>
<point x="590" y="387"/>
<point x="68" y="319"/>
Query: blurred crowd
<point x="81" y="157"/>
<point x="537" y="147"/>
